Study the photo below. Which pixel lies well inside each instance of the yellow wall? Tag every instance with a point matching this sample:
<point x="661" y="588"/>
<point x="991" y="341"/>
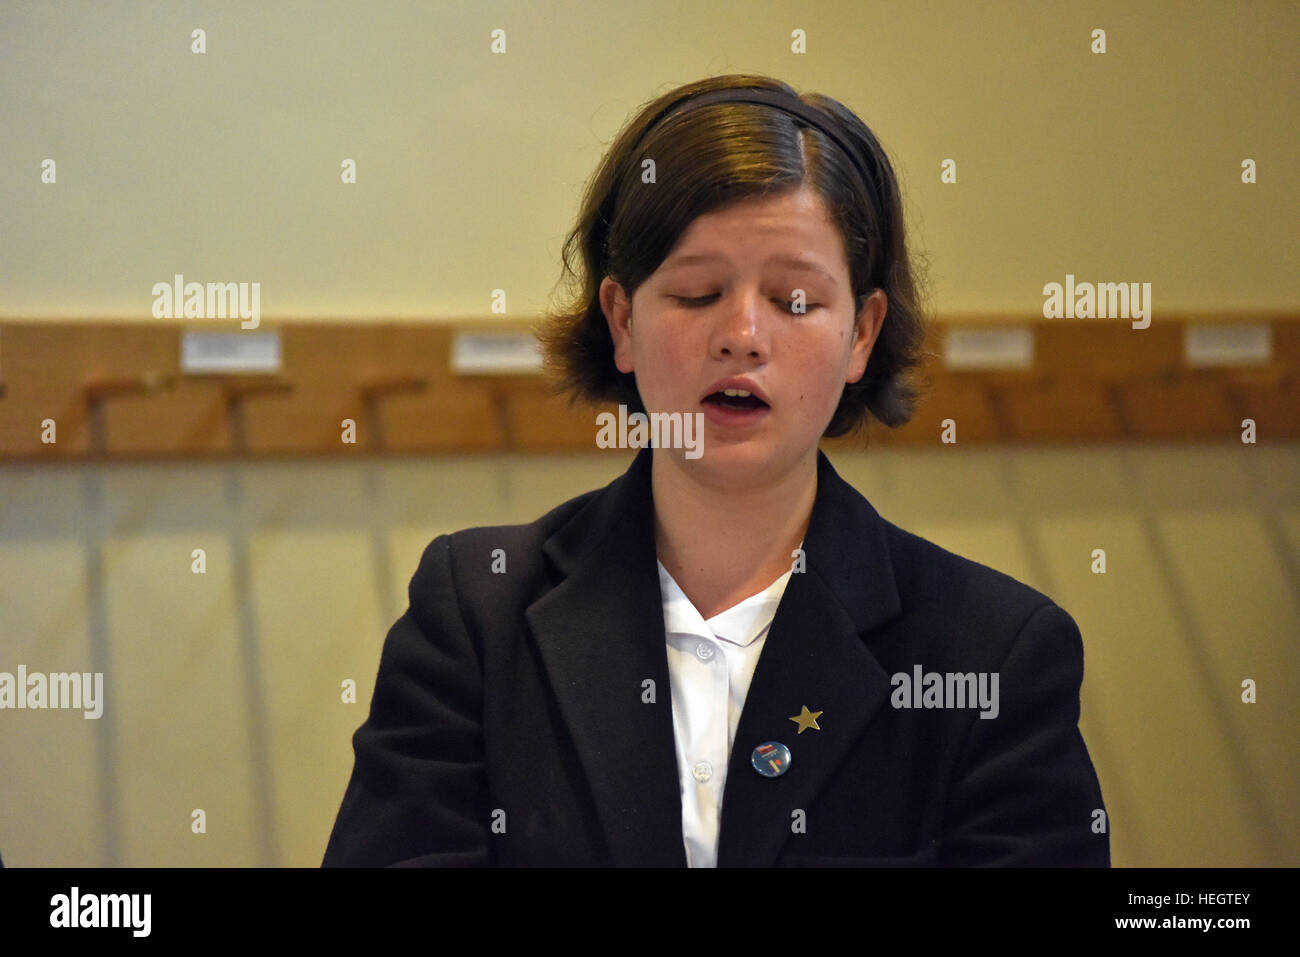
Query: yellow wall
<point x="225" y="166"/>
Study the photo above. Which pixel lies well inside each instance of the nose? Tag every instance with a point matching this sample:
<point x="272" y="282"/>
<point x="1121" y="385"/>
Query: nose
<point x="742" y="329"/>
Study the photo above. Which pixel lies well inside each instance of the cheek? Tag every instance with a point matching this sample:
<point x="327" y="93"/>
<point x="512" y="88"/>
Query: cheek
<point x="668" y="350"/>
<point x="658" y="357"/>
<point x="824" y="361"/>
<point x="822" y="364"/>
<point x="662" y="360"/>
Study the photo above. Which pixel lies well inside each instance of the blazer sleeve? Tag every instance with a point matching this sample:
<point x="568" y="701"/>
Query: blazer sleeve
<point x="1024" y="790"/>
<point x="418" y="791"/>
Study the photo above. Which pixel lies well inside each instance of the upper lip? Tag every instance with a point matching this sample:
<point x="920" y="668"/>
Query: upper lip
<point x="737" y="382"/>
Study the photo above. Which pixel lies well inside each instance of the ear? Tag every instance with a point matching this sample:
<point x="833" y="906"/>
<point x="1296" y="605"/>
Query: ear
<point x="866" y="329"/>
<point x="618" y="314"/>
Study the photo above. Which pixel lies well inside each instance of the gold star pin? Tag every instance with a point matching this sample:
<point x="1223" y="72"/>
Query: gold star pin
<point x="807" y="719"/>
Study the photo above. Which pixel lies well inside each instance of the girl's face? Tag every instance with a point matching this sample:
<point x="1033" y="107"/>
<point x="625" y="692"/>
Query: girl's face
<point x="723" y="305"/>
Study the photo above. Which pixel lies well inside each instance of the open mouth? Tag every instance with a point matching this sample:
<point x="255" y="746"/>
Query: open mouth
<point x="737" y="399"/>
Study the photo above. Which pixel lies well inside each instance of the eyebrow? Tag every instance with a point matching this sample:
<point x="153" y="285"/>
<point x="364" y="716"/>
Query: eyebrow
<point x="792" y="261"/>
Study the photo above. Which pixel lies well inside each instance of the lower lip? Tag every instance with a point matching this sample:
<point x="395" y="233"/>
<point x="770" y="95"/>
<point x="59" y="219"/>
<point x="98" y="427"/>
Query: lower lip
<point x="721" y="415"/>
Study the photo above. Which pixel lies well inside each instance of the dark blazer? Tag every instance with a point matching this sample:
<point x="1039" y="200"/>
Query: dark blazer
<point x="510" y="722"/>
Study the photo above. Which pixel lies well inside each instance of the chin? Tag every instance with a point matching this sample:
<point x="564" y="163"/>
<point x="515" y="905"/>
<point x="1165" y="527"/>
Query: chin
<point x="740" y="463"/>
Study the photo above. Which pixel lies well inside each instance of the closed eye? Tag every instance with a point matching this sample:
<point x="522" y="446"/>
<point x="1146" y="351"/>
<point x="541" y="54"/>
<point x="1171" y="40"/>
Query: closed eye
<point x="701" y="301"/>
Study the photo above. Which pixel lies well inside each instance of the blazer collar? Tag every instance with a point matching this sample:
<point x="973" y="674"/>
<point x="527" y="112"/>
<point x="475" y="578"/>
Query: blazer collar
<point x="601" y="636"/>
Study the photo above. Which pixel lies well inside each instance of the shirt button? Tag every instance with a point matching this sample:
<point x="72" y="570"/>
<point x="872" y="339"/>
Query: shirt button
<point x="703" y="770"/>
<point x="704" y="650"/>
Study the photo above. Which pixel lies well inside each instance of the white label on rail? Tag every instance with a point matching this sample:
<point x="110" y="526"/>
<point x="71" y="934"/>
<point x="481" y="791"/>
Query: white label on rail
<point x="486" y="353"/>
<point x="1011" y="348"/>
<point x="230" y="352"/>
<point x="1228" y="345"/>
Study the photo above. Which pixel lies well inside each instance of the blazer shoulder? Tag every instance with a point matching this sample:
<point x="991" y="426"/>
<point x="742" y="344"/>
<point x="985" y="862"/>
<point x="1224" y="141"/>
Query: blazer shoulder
<point x="972" y="596"/>
<point x="482" y="559"/>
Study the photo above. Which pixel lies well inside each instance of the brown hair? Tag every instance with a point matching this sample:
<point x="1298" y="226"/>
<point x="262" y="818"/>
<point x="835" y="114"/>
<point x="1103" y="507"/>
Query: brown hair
<point x="707" y="158"/>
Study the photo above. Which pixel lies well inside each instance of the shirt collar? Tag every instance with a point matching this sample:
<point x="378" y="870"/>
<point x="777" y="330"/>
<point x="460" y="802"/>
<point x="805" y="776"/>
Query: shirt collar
<point x="741" y="624"/>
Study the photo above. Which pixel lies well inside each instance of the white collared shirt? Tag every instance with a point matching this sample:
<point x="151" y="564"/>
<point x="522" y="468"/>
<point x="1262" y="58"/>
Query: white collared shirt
<point x="710" y="665"/>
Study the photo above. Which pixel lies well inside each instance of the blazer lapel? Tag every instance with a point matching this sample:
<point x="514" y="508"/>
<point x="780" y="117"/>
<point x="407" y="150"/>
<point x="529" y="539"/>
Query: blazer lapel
<point x="601" y="636"/>
<point x="814" y="656"/>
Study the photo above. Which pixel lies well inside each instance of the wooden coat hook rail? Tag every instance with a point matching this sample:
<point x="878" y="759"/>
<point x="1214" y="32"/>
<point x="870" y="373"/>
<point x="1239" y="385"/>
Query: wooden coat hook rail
<point x="93" y="390"/>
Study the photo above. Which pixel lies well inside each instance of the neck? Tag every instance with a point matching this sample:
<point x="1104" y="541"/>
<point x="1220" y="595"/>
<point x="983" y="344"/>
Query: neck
<point x="722" y="544"/>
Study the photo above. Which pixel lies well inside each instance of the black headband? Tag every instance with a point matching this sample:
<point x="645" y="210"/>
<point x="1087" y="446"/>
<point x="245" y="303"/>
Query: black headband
<point x="794" y="106"/>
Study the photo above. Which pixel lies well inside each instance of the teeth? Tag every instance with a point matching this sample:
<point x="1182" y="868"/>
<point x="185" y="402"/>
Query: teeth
<point x="735" y="392"/>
